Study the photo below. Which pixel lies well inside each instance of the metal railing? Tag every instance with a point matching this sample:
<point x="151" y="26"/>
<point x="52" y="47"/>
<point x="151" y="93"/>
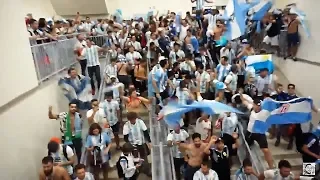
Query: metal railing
<point x="162" y="159"/>
<point x="245" y="151"/>
<point x="54" y="57"/>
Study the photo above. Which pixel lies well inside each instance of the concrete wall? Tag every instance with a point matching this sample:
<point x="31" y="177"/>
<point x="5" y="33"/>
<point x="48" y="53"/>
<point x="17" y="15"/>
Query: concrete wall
<point x="39" y="8"/>
<point x="17" y="74"/>
<point x="71" y="7"/>
<point x="129" y="8"/>
<point x="25" y="131"/>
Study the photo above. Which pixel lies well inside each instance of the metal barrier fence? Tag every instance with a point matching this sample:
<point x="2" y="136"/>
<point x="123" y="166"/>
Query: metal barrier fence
<point x="162" y="160"/>
<point x="54" y="57"/>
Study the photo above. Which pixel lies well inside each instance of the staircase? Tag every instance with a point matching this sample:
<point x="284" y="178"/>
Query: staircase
<point x="115" y="154"/>
<point x="280" y="152"/>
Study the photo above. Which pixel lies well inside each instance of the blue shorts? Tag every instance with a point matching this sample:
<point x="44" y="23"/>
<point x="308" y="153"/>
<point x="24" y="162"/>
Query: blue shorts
<point x="293" y="39"/>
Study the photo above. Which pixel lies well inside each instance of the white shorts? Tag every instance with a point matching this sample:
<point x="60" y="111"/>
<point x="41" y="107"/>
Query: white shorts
<point x="274" y="41"/>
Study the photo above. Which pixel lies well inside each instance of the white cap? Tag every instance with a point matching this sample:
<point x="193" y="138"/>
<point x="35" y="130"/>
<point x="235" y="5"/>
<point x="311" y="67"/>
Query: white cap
<point x="244" y="41"/>
<point x="113" y="76"/>
<point x="162" y="58"/>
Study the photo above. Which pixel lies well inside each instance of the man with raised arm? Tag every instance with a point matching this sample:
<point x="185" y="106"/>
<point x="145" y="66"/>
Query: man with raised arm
<point x="195" y="153"/>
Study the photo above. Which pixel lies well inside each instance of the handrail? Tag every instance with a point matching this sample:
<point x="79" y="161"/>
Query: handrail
<point x="247" y="147"/>
<point x="103" y="81"/>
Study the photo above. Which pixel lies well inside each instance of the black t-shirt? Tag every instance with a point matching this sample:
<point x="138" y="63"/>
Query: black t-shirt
<point x="274" y="30"/>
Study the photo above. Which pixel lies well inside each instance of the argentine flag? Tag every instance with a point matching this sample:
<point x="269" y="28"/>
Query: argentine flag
<point x="259" y="62"/>
<point x="173" y="112"/>
<point x="235" y="14"/>
<point x="259" y="9"/>
<point x="295" y="111"/>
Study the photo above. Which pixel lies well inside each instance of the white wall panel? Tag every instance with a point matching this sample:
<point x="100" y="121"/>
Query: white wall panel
<point x="17" y="73"/>
<point x="38" y="8"/>
<point x="71" y="7"/>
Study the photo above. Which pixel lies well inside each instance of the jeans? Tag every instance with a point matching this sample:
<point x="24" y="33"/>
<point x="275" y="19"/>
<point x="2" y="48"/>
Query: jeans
<point x="83" y="65"/>
<point x="94" y="70"/>
<point x="77" y="146"/>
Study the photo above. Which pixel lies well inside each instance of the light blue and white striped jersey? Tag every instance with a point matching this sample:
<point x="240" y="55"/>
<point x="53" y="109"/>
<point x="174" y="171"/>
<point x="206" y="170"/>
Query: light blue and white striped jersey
<point x="92" y="55"/>
<point x="135" y="131"/>
<point x="229" y="124"/>
<point x="263" y="84"/>
<point x="223" y="71"/>
<point x="183" y="95"/>
<point x="88" y="176"/>
<point x="111" y="70"/>
<point x="199" y="4"/>
<point x="110" y="110"/>
<point x="160" y="77"/>
<point x="204" y="79"/>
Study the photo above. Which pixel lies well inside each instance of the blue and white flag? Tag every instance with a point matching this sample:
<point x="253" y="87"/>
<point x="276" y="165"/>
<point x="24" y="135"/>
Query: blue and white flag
<point x="301" y="17"/>
<point x="235" y="14"/>
<point x="259" y="62"/>
<point x="295" y="111"/>
<point x="118" y="15"/>
<point x="258" y="10"/>
<point x="78" y="89"/>
<point x="173" y="112"/>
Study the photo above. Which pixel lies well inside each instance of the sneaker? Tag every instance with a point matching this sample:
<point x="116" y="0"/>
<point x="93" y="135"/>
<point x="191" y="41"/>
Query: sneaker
<point x="277" y="143"/>
<point x="294" y="58"/>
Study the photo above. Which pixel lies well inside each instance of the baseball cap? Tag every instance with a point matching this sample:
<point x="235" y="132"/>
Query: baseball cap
<point x="55" y="139"/>
<point x="244" y="41"/>
<point x="220" y="86"/>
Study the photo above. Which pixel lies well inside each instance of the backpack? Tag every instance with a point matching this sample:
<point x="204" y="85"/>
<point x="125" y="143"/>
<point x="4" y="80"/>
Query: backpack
<point x="119" y="167"/>
<point x="64" y="150"/>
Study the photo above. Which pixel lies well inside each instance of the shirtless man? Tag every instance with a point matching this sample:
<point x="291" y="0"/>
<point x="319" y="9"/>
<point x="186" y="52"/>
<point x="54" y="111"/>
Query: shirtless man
<point x="50" y="172"/>
<point x="123" y="76"/>
<point x="293" y="37"/>
<point x="196" y="153"/>
<point x="140" y="73"/>
<point x="218" y="31"/>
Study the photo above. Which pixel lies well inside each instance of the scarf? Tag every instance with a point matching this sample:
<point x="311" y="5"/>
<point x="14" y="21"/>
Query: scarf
<point x="68" y="133"/>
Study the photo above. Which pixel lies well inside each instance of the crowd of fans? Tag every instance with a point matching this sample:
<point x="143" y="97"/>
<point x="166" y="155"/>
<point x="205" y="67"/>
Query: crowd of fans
<point x="186" y="64"/>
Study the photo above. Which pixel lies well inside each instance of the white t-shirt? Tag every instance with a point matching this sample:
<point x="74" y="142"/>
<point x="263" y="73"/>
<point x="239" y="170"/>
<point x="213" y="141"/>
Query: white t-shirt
<point x="183" y="32"/>
<point x="130" y="57"/>
<point x="59" y="157"/>
<point x="98" y="117"/>
<point x="253" y="117"/>
<point x="173" y="55"/>
<point x="135" y="131"/>
<point x="232" y="81"/>
<point x="212" y="175"/>
<point x="174" y="137"/>
<point x="275" y="175"/>
<point x="188" y="67"/>
<point x="203" y="128"/>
